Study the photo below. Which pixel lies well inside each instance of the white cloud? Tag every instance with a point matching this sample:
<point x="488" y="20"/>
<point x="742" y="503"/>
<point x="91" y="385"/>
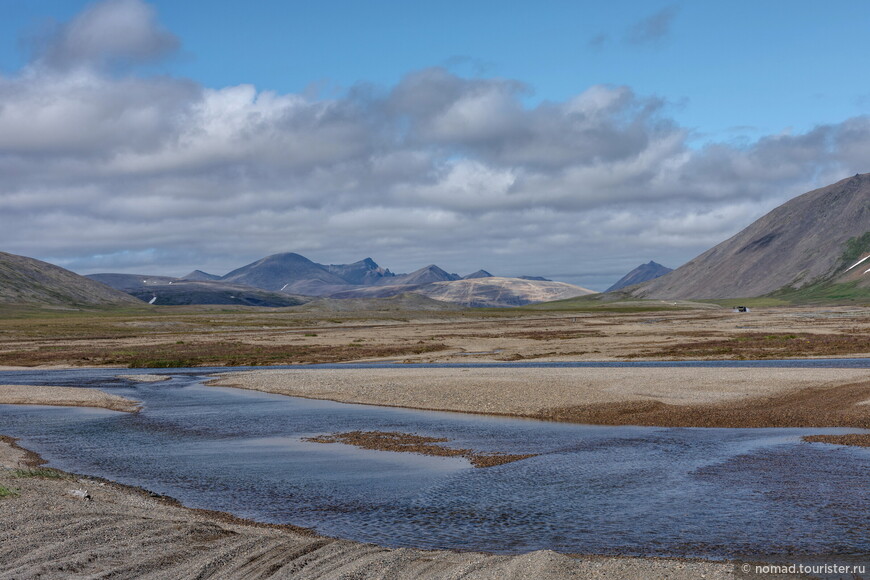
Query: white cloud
<point x="439" y="168"/>
<point x="108" y="33"/>
<point x="654" y="28"/>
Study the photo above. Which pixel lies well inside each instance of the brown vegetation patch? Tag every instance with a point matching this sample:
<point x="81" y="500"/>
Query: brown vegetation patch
<point x="217" y="353"/>
<point x="757" y="345"/>
<point x="409" y="443"/>
<point x="813" y="407"/>
<point x="530" y="334"/>
<point x="855" y="439"/>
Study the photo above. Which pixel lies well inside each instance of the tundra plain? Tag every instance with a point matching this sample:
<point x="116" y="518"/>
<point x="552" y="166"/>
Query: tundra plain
<point x="213" y="336"/>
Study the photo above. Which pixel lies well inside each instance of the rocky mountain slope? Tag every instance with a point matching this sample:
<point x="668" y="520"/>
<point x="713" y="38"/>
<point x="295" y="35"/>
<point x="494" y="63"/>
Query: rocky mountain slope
<point x="495" y="292"/>
<point x="28" y="281"/>
<point x="643" y="273"/>
<point x="809" y="241"/>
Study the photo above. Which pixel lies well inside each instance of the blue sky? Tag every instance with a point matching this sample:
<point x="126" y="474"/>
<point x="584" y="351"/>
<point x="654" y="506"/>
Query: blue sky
<point x="697" y="117"/>
<point x="737" y="69"/>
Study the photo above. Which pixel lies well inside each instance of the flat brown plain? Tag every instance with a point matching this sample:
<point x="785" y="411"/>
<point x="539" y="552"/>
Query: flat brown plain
<point x="197" y="337"/>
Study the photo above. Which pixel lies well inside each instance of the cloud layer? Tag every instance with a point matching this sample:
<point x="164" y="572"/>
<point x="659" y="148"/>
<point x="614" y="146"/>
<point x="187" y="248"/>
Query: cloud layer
<point x="104" y="170"/>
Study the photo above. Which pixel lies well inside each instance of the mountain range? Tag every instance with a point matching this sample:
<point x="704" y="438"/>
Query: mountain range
<point x="288" y="279"/>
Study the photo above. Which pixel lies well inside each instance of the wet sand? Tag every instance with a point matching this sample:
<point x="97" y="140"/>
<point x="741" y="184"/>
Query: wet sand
<point x="123" y="532"/>
<point x="65" y="397"/>
<point x="686" y="397"/>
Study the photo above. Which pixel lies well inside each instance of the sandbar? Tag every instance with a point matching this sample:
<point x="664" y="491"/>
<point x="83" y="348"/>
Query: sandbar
<point x="65" y="397"/>
<point x="642" y="396"/>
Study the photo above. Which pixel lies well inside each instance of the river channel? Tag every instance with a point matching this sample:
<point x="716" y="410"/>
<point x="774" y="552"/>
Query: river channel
<point x="710" y="493"/>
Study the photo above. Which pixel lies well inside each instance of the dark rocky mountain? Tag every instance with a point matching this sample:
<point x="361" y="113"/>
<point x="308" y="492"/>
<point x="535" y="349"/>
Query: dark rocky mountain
<point x="426" y="275"/>
<point x="288" y="272"/>
<point x="478" y="274"/>
<point x="28" y="281"/>
<point x="166" y="291"/>
<point x="200" y="276"/>
<point x="364" y="273"/>
<point x="643" y="273"/>
<point x="538" y="278"/>
<point x="808" y="241"/>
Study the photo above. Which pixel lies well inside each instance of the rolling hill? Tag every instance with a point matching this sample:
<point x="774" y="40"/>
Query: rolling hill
<point x="28" y="281"/>
<point x="497" y="292"/>
<point x="491" y="292"/>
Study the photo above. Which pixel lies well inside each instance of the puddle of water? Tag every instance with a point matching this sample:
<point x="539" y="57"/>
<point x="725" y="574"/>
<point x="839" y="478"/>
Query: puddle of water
<point x="711" y="493"/>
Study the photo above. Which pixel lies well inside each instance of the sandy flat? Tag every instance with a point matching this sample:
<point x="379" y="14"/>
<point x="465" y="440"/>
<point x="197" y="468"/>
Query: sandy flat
<point x="532" y="391"/>
<point x="125" y="533"/>
<point x="65" y="397"/>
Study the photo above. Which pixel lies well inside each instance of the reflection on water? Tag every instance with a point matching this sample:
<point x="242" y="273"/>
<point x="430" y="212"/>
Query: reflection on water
<point x="629" y="490"/>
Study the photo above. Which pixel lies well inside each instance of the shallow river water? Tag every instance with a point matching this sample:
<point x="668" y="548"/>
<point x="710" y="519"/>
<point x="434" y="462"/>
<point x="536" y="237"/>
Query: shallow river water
<point x="713" y="493"/>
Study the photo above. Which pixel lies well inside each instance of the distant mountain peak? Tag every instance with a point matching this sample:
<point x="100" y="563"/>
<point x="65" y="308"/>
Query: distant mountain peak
<point x="479" y="274"/>
<point x="363" y="273"/>
<point x="426" y="275"/>
<point x="279" y="272"/>
<point x="643" y="273"/>
<point x="199" y="275"/>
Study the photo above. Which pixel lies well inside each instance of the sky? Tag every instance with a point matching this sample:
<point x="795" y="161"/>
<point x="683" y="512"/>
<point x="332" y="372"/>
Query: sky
<point x="567" y="139"/>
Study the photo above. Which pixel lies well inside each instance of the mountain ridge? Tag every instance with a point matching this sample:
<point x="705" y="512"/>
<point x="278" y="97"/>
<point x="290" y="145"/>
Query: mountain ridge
<point x="799" y="244"/>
